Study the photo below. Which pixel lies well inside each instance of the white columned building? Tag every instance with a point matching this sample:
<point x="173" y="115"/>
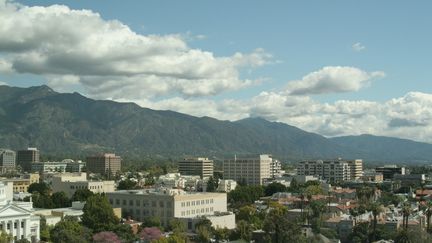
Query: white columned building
<point x="17" y="218"/>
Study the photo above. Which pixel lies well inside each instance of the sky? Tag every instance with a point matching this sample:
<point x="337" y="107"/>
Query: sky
<point x="331" y="67"/>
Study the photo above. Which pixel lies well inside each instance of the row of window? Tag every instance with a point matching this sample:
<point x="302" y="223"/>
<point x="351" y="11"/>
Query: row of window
<point x="193" y="211"/>
<point x="197" y="202"/>
<point x="86" y="187"/>
<point x="138" y="203"/>
<point x="8" y="225"/>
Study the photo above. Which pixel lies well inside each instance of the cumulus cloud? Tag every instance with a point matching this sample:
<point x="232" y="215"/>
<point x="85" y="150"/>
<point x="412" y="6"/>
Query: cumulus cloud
<point x="332" y="79"/>
<point x="358" y="47"/>
<point x="62" y="42"/>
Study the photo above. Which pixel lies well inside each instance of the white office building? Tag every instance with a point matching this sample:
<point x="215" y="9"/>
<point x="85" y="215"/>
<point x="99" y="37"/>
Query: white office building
<point x="70" y="182"/>
<point x="168" y="203"/>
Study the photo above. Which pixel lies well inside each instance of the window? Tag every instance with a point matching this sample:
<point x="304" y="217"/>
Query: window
<point x="211" y="200"/>
<point x="22" y="224"/>
<point x="111" y="201"/>
<point x="202" y="202"/>
<point x="198" y="202"/>
<point x="8" y="226"/>
<point x="118" y="201"/>
<point x="130" y="202"/>
<point x="193" y="203"/>
<point x="137" y="203"/>
<point x="161" y="204"/>
<point x="124" y="202"/>
<point x="188" y="204"/>
<point x="154" y="204"/>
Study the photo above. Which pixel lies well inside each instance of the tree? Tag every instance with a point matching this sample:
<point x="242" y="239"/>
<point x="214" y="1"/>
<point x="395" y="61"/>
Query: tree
<point x="41" y="187"/>
<point x="98" y="214"/>
<point x="221" y="234"/>
<point x="44" y="229"/>
<point x="203" y="234"/>
<point x="124" y="232"/>
<point x="244" y="230"/>
<point x="428" y="215"/>
<point x="69" y="230"/>
<point x="81" y="195"/>
<point x="149" y="234"/>
<point x="360" y="233"/>
<point x="5" y="237"/>
<point x="204" y="222"/>
<point x="280" y="229"/>
<point x="406" y="211"/>
<point x="41" y="200"/>
<point x="127" y="185"/>
<point x="22" y="241"/>
<point x="106" y="237"/>
<point x="294" y="186"/>
<point x="212" y="184"/>
<point x="60" y="200"/>
<point x="151" y="221"/>
<point x="376" y="209"/>
<point x="177" y="226"/>
<point x="274" y="188"/>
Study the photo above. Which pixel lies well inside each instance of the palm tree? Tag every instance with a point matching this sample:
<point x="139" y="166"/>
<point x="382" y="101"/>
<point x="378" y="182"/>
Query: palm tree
<point x="406" y="211"/>
<point x="428" y="214"/>
<point x="376" y="209"/>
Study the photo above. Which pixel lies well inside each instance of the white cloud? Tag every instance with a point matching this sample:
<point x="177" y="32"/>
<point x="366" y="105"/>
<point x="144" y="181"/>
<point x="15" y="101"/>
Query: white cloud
<point x="58" y="41"/>
<point x="358" y="47"/>
<point x="5" y="67"/>
<point x="332" y="79"/>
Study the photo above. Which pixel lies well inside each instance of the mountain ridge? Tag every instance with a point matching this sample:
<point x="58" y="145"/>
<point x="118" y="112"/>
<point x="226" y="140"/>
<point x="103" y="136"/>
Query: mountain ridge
<point x="70" y="124"/>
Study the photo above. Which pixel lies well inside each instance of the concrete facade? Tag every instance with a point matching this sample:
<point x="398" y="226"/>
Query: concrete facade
<point x="104" y="164"/>
<point x="167" y="203"/>
<point x="70" y="182"/>
<point x="252" y="170"/>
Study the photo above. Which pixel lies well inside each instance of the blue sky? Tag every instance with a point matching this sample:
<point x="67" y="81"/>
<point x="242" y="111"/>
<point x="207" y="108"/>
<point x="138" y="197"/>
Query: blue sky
<point x="371" y="60"/>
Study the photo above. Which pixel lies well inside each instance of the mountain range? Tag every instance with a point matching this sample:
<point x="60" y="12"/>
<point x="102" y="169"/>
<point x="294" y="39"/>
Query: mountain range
<point x="69" y="124"/>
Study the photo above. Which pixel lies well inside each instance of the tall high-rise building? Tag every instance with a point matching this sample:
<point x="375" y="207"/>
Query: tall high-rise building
<point x="252" y="170"/>
<point x="202" y="167"/>
<point x="25" y="158"/>
<point x="356" y="169"/>
<point x="104" y="164"/>
<point x="332" y="170"/>
<point x="7" y="159"/>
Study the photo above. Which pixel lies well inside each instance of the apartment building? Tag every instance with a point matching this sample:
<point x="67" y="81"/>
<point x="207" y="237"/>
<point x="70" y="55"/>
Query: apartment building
<point x="252" y="170"/>
<point x="7" y="160"/>
<point x="70" y="182"/>
<point x="167" y="203"/>
<point x="332" y="170"/>
<point x="104" y="164"/>
<point x="202" y="167"/>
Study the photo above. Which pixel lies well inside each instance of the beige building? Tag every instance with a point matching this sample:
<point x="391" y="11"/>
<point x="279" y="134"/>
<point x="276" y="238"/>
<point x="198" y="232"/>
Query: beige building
<point x="167" y="203"/>
<point x="104" y="164"/>
<point x="22" y="183"/>
<point x="70" y="182"/>
<point x="332" y="170"/>
<point x="356" y="169"/>
<point x="202" y="167"/>
<point x="252" y="170"/>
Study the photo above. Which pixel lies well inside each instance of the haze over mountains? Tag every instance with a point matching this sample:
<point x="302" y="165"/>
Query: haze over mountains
<point x="70" y="124"/>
